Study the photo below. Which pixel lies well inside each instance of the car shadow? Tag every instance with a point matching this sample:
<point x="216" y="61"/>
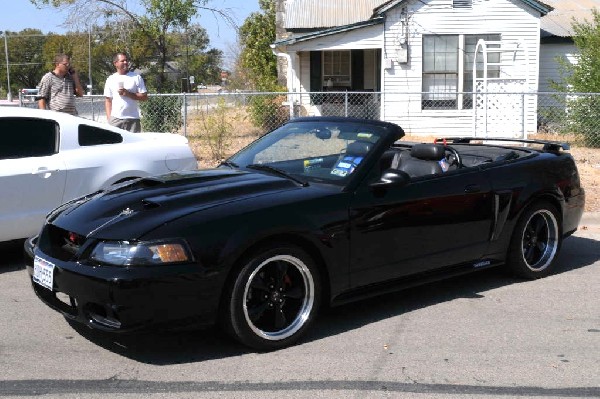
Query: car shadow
<point x="165" y="348"/>
<point x="576" y="253"/>
<point x="12" y="256"/>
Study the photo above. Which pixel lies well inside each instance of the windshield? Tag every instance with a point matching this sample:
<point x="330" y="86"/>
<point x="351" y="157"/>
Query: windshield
<point x="312" y="151"/>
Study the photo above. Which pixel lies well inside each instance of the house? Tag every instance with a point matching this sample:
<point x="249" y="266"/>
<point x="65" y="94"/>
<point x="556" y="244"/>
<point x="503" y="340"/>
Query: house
<point x="556" y="36"/>
<point x="414" y="60"/>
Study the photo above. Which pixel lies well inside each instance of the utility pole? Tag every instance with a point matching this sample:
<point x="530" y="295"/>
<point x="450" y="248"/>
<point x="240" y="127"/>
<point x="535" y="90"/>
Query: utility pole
<point x="90" y="59"/>
<point x="7" y="67"/>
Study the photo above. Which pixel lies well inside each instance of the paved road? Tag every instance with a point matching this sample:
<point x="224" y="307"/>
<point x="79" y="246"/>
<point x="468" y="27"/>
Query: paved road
<point x="480" y="336"/>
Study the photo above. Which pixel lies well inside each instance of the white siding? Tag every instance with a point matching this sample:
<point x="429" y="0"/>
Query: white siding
<point x="437" y="16"/>
<point x="549" y="66"/>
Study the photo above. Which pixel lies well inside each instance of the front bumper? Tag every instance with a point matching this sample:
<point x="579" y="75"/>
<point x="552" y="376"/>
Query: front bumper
<point x="120" y="299"/>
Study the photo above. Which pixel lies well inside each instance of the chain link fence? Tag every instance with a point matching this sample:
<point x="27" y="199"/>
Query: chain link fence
<point x="218" y="124"/>
<point x="519" y="115"/>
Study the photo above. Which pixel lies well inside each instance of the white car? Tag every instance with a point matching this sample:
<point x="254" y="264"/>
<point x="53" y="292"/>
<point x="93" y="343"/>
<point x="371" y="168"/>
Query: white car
<point x="47" y="158"/>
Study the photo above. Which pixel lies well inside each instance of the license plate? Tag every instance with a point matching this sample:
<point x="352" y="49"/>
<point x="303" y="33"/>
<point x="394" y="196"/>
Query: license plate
<point x="43" y="272"/>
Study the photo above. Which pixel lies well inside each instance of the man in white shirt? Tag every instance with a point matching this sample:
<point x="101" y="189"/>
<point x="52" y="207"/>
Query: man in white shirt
<point x="122" y="91"/>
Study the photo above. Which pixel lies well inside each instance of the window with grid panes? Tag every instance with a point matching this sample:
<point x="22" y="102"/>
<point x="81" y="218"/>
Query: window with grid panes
<point x="448" y="75"/>
<point x="336" y="66"/>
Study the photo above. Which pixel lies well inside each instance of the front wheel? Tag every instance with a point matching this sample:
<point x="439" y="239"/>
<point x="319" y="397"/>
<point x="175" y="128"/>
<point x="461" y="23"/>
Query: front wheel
<point x="535" y="242"/>
<point x="273" y="299"/>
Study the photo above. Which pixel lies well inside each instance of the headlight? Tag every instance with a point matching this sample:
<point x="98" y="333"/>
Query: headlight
<point x="125" y="253"/>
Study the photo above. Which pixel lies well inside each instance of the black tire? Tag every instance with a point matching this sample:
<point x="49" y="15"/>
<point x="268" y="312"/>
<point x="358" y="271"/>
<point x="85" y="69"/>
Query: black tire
<point x="535" y="242"/>
<point x="273" y="299"/>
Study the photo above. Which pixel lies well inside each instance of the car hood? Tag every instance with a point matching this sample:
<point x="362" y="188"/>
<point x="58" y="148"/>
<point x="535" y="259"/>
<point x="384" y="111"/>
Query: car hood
<point x="129" y="211"/>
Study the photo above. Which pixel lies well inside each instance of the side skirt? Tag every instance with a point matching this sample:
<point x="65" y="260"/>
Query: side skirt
<point x="411" y="281"/>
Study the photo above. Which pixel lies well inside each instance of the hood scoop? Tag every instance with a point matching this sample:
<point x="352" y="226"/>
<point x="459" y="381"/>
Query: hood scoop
<point x="147" y="204"/>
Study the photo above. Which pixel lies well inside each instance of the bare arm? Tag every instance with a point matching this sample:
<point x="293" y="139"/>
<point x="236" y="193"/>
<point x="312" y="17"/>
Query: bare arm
<point x="107" y="107"/>
<point x="78" y="87"/>
<point x="141" y="96"/>
<point x="42" y="103"/>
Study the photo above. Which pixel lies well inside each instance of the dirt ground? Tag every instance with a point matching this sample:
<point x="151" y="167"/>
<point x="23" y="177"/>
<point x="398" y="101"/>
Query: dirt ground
<point x="587" y="159"/>
<point x="588" y="164"/>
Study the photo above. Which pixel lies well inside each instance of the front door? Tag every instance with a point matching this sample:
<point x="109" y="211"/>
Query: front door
<point x="430" y="223"/>
<point x="32" y="175"/>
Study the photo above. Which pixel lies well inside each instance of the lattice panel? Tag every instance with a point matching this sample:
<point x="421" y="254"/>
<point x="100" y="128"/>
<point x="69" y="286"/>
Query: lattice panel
<point x="497" y="112"/>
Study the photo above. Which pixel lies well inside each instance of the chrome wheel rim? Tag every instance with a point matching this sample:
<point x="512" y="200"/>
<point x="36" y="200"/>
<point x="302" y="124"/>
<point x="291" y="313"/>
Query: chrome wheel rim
<point x="540" y="240"/>
<point x="278" y="297"/>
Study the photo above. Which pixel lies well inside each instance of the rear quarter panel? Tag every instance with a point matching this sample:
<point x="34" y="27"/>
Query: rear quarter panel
<point x="541" y="176"/>
<point x="92" y="168"/>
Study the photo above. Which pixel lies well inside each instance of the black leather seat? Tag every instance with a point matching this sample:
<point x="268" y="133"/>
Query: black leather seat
<point x="424" y="160"/>
<point x="349" y="160"/>
<point x="358" y="148"/>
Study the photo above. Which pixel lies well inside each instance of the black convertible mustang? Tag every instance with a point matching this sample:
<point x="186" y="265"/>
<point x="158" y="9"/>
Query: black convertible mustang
<point x="321" y="211"/>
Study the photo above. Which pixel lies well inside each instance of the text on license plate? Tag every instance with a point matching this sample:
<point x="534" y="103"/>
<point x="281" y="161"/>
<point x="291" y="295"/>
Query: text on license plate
<point x="43" y="272"/>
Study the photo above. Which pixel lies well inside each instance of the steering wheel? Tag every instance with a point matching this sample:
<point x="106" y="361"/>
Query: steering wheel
<point x="452" y="157"/>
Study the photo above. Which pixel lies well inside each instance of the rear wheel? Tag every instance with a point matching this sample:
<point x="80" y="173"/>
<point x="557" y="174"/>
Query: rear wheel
<point x="535" y="242"/>
<point x="273" y="299"/>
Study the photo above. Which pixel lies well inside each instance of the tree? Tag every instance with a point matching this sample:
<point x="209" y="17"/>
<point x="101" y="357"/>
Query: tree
<point x="26" y="59"/>
<point x="256" y="59"/>
<point x="583" y="77"/>
<point x="259" y="64"/>
<point x="148" y="30"/>
<point x="190" y="49"/>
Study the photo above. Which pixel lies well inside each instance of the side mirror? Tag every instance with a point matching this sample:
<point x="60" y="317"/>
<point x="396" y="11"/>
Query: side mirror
<point x="392" y="178"/>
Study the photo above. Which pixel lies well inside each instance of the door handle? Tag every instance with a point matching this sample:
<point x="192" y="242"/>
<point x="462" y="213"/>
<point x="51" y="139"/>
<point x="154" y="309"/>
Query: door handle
<point x="44" y="172"/>
<point x="472" y="188"/>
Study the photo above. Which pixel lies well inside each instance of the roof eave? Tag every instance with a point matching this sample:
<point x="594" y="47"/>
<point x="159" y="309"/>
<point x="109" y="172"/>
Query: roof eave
<point x="539" y="6"/>
<point x="535" y="4"/>
<point x="328" y="31"/>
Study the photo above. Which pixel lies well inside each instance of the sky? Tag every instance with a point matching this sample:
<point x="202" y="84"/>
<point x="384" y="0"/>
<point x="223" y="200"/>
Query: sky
<point x="21" y="14"/>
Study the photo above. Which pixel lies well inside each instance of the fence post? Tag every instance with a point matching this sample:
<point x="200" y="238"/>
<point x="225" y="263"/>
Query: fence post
<point x="92" y="104"/>
<point x="524" y="121"/>
<point x="184" y="114"/>
<point x="346" y="103"/>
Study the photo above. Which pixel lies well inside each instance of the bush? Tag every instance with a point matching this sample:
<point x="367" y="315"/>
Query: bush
<point x="267" y="111"/>
<point x="217" y="126"/>
<point x="162" y="114"/>
<point x="582" y="115"/>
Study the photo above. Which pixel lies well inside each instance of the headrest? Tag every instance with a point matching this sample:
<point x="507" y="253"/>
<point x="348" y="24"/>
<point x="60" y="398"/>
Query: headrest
<point x="359" y="148"/>
<point x="429" y="152"/>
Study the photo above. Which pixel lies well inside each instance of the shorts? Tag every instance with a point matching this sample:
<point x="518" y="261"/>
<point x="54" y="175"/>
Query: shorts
<point x="132" y="125"/>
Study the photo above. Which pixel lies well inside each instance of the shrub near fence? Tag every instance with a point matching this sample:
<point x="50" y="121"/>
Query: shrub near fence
<point x="162" y="113"/>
